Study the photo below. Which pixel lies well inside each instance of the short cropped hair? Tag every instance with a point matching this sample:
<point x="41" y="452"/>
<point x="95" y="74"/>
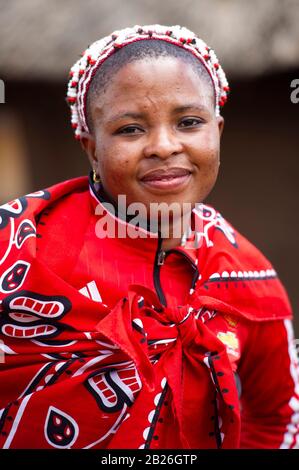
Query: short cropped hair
<point x="139" y="50"/>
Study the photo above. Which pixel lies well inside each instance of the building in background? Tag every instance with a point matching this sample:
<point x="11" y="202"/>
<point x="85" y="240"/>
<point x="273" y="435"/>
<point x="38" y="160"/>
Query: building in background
<point x="258" y="45"/>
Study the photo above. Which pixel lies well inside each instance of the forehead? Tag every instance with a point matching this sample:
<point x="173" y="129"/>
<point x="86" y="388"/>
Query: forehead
<point x="153" y="83"/>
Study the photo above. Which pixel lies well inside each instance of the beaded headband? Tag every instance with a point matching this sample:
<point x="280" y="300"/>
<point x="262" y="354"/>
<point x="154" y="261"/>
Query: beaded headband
<point x="84" y="69"/>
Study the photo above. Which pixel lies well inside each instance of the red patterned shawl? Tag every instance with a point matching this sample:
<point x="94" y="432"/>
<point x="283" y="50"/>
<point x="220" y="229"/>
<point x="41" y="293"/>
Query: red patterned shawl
<point x="78" y="374"/>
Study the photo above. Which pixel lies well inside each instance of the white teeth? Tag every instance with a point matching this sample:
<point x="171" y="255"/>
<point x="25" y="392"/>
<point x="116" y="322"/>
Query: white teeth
<point x="246" y="274"/>
<point x="256" y="274"/>
<point x="268" y="272"/>
<point x="240" y="274"/>
<point x="225" y="274"/>
<point x="233" y="274"/>
<point x="250" y="274"/>
<point x="263" y="273"/>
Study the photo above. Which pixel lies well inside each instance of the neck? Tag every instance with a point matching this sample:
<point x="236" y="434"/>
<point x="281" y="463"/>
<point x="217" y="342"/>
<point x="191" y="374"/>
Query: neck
<point x="171" y="232"/>
<point x="176" y="230"/>
<point x="170" y="243"/>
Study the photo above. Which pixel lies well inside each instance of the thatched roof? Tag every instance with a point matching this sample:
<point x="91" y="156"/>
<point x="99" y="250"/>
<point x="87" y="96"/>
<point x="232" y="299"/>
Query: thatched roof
<point x="42" y="38"/>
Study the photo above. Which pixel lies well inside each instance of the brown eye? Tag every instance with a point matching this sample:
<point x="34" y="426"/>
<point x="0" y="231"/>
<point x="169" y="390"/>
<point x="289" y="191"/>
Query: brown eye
<point x="190" y="122"/>
<point x="130" y="130"/>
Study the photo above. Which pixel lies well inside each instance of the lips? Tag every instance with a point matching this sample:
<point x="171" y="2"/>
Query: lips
<point x="166" y="174"/>
<point x="166" y="180"/>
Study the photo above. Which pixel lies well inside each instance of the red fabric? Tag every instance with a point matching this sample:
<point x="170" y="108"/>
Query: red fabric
<point x="126" y="372"/>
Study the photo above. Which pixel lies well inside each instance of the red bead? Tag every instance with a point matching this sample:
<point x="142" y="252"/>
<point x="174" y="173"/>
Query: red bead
<point x="71" y="99"/>
<point x="74" y="125"/>
<point x="206" y="57"/>
<point x="216" y="66"/>
<point x="74" y="84"/>
<point x="81" y="72"/>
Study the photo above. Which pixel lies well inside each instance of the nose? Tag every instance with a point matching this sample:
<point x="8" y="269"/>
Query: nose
<point x="162" y="143"/>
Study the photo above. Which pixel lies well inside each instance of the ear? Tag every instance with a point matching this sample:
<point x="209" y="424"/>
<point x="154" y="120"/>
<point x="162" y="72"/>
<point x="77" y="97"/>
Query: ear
<point x="220" y="122"/>
<point x="89" y="146"/>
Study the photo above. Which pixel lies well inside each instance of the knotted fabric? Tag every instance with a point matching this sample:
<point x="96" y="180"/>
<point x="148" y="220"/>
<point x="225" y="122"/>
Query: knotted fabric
<point x="79" y="374"/>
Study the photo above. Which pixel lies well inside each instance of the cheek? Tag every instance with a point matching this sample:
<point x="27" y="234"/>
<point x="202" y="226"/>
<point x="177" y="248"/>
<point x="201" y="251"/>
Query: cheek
<point x="207" y="155"/>
<point x="210" y="149"/>
<point x="210" y="171"/>
<point x="113" y="167"/>
<point x="209" y="165"/>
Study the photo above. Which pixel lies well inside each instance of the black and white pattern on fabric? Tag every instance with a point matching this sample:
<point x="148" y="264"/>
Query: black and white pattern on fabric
<point x="42" y="194"/>
<point x="12" y="209"/>
<point x="208" y="218"/>
<point x="25" y="230"/>
<point x="30" y="315"/>
<point x="61" y="430"/>
<point x="115" y="389"/>
<point x="240" y="277"/>
<point x="13" y="278"/>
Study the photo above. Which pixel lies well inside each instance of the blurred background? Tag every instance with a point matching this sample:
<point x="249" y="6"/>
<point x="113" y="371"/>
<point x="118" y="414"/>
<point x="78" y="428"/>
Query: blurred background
<point x="257" y="43"/>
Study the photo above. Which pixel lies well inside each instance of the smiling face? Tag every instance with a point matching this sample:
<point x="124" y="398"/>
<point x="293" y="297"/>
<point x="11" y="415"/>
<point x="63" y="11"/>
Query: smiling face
<point x="155" y="134"/>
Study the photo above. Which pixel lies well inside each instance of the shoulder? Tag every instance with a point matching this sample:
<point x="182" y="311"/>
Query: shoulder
<point x="216" y="236"/>
<point x="32" y="203"/>
<point x="19" y="217"/>
<point x="39" y="222"/>
<point x="235" y="272"/>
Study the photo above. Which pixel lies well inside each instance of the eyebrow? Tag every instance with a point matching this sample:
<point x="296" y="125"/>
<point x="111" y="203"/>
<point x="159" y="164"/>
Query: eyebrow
<point x="198" y="107"/>
<point x="116" y="117"/>
<point x="177" y="110"/>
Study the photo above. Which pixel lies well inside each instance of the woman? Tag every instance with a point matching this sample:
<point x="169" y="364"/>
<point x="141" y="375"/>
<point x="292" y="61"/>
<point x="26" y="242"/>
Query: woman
<point x="128" y="326"/>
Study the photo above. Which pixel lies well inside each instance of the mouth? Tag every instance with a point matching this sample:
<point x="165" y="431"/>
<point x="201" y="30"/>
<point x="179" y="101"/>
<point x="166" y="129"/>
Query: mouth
<point x="168" y="179"/>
